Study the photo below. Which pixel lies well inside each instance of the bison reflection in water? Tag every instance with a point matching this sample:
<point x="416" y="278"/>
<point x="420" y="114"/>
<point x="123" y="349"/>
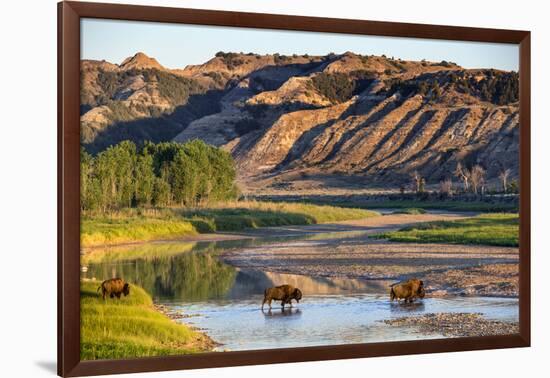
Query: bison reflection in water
<point x="405" y="307"/>
<point x="407" y="290"/>
<point x="284" y="293"/>
<point x="283" y="313"/>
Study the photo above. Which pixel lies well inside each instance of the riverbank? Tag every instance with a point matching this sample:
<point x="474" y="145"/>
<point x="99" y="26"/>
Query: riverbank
<point x="456" y="325"/>
<point x="382" y="199"/>
<point x="350" y="251"/>
<point x="485" y="229"/>
<point x="132" y="327"/>
<point x="139" y="225"/>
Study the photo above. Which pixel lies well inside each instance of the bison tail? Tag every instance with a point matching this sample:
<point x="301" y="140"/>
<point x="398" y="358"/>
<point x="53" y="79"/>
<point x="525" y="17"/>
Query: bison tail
<point x="99" y="288"/>
<point x="392" y="294"/>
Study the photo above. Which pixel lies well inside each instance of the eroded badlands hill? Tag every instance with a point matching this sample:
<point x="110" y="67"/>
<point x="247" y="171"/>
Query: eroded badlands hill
<point x="287" y="118"/>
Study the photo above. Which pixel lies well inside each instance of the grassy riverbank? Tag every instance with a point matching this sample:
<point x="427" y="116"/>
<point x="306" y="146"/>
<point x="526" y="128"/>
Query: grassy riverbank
<point x="394" y="201"/>
<point x="131" y="327"/>
<point x="134" y="225"/>
<point x="486" y="229"/>
<point x="474" y="206"/>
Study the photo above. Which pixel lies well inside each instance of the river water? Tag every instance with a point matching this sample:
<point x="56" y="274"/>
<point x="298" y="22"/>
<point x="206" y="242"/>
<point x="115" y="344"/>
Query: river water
<point x="224" y="302"/>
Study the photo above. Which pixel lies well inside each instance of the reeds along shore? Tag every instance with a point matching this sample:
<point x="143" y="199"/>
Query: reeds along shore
<point x="134" y="225"/>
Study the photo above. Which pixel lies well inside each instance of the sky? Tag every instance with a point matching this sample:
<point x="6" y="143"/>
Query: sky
<point x="178" y="45"/>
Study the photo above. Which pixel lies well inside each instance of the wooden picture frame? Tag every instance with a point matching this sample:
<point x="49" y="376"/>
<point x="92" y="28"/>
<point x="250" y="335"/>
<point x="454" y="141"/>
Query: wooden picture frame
<point x="69" y="15"/>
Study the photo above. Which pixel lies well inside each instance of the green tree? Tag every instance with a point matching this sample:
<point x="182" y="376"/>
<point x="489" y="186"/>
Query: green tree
<point x="190" y="174"/>
<point x="90" y="195"/>
<point x="162" y="195"/>
<point x="144" y="180"/>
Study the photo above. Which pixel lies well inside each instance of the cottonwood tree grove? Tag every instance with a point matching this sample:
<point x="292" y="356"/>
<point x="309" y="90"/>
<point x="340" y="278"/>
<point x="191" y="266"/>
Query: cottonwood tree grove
<point x="166" y="174"/>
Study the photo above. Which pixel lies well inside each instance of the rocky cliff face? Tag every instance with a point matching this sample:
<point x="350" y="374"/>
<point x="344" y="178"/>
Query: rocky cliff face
<point x="289" y="118"/>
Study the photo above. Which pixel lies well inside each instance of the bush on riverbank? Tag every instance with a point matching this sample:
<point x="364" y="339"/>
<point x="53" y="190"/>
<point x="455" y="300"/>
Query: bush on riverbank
<point x="131" y="328"/>
<point x="131" y="225"/>
<point x="486" y="229"/>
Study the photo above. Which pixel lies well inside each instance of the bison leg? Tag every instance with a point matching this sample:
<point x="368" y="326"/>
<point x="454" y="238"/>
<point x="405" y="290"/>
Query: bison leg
<point x="263" y="302"/>
<point x="118" y="295"/>
<point x="103" y="292"/>
<point x="269" y="303"/>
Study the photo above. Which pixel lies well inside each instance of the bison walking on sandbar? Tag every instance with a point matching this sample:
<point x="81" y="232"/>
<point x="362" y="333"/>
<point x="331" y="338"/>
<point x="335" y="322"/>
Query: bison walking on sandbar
<point x="407" y="290"/>
<point x="284" y="293"/>
<point x="114" y="287"/>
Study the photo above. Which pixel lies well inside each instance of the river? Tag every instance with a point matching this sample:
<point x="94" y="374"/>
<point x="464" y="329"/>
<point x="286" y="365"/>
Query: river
<point x="224" y="301"/>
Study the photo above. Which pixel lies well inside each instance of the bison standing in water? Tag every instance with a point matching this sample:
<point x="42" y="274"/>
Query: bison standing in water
<point x="284" y="293"/>
<point x="407" y="290"/>
<point x="114" y="287"/>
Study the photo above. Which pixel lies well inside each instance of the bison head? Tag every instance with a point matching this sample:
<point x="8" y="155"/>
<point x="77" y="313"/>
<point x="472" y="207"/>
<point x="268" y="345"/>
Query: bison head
<point x="297" y="294"/>
<point x="421" y="292"/>
<point x="126" y="289"/>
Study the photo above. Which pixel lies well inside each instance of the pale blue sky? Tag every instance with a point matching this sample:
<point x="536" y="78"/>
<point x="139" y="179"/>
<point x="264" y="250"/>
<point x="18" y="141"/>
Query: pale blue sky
<point x="177" y="45"/>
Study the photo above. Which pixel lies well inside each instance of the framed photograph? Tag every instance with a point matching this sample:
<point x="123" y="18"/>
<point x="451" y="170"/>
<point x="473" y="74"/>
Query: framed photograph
<point x="240" y="188"/>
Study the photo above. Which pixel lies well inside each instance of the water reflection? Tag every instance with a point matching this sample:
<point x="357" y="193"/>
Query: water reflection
<point x="404" y="308"/>
<point x="172" y="272"/>
<point x="253" y="282"/>
<point x="276" y="313"/>
<point x="191" y="272"/>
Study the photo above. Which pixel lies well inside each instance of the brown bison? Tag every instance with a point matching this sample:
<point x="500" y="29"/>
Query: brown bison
<point x="407" y="290"/>
<point x="114" y="287"/>
<point x="284" y="293"/>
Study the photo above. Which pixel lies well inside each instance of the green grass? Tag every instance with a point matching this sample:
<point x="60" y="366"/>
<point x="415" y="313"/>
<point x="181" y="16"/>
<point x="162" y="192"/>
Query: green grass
<point x="129" y="327"/>
<point x="410" y="211"/>
<point x="106" y="231"/>
<point x="486" y="229"/>
<point x="237" y="216"/>
<point x="475" y="206"/>
<point x="359" y="202"/>
<point x="134" y="225"/>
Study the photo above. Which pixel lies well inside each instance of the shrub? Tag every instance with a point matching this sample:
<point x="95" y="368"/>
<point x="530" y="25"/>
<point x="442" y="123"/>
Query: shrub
<point x="176" y="88"/>
<point x="119" y="111"/>
<point x="230" y="59"/>
<point x="337" y="87"/>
